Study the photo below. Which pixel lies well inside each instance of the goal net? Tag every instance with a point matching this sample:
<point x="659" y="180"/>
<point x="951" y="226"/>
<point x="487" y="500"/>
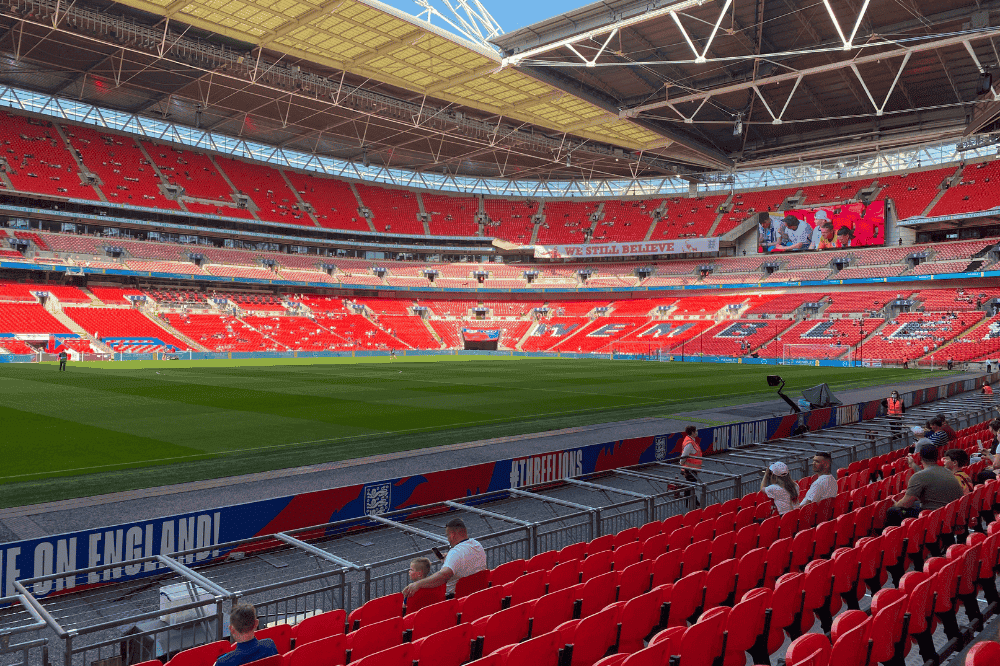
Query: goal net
<point x="805" y="354"/>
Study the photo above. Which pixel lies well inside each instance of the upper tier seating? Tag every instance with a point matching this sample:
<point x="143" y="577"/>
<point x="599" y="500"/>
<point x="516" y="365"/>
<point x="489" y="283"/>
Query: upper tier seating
<point x="510" y="219"/>
<point x="912" y="192"/>
<point x="390" y="306"/>
<point x="840" y="191"/>
<point x="807" y="260"/>
<point x="973" y="193"/>
<point x="392" y="209"/>
<point x="565" y="221"/>
<point x="688" y="218"/>
<point x="121" y="323"/>
<point x="125" y="173"/>
<point x="450" y="307"/>
<point x="330" y="304"/>
<point x="741" y="264"/>
<point x="197" y="176"/>
<point x="28" y="318"/>
<point x="305" y="276"/>
<point x="746" y="204"/>
<point x="625" y="221"/>
<point x="333" y="201"/>
<point x="451" y="216"/>
<point x="253" y="302"/>
<point x="38" y="159"/>
<point x="798" y="276"/>
<point x="267" y="189"/>
<point x="176" y="267"/>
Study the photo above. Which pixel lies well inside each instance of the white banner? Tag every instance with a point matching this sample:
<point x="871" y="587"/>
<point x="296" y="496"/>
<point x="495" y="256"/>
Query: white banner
<point x="677" y="246"/>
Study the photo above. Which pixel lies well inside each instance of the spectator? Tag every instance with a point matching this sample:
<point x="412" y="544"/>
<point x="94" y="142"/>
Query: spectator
<point x="465" y="558"/>
<point x="947" y="428"/>
<point x="987" y="389"/>
<point x="938" y="436"/>
<point x="931" y="488"/>
<point x="894" y="409"/>
<point x="242" y="626"/>
<point x="825" y="485"/>
<point x="954" y="460"/>
<point x="777" y="485"/>
<point x="691" y="456"/>
<point x="420" y="568"/>
<point x="990" y="453"/>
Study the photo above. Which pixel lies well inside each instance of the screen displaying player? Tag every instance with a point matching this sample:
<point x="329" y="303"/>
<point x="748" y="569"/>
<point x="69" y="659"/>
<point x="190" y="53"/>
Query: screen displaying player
<point x="828" y="228"/>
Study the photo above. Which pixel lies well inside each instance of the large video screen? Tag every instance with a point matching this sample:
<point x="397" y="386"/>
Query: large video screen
<point x="823" y="228"/>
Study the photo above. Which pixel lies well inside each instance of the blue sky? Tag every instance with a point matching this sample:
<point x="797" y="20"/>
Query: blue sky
<point x="510" y="14"/>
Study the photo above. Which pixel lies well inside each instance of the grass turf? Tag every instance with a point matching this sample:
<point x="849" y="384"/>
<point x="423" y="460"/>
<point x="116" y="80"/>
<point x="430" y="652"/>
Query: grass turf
<point x="120" y="426"/>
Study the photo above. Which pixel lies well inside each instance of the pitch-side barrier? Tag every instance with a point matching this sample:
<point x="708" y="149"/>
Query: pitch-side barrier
<point x="94" y="615"/>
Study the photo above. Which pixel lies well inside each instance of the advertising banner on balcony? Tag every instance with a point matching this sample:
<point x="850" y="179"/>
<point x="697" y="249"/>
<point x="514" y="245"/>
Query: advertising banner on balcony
<point x="637" y="249"/>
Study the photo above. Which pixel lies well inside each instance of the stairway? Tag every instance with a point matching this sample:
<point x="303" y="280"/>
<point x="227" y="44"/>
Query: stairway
<point x="434" y="334"/>
<point x="298" y="198"/>
<point x="174" y="332"/>
<point x="652" y="227"/>
<point x="361" y="204"/>
<point x="941" y="191"/>
<point x="76" y="328"/>
<point x="79" y="162"/>
<point x="524" y="338"/>
<point x="718" y="218"/>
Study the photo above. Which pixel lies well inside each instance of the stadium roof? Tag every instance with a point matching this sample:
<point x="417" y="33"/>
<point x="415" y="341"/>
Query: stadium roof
<point x="585" y="95"/>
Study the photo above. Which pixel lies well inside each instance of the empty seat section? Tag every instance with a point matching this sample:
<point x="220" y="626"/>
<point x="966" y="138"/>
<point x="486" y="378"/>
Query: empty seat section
<point x="267" y="189"/>
<point x="305" y="276"/>
<point x="411" y="330"/>
<point x="126" y="175"/>
<point x="451" y="216"/>
<point x="74" y="244"/>
<point x="745" y="204"/>
<point x="981" y="342"/>
<point x="862" y="301"/>
<point x="724" y="339"/>
<point x="298" y="333"/>
<point x="553" y="331"/>
<point x="333" y="201"/>
<point x="600" y="334"/>
<point x="939" y="267"/>
<point x="576" y="308"/>
<point x="111" y="325"/>
<point x="783" y="303"/>
<point x="973" y="193"/>
<point x="912" y="192"/>
<point x="197" y="176"/>
<point x="913" y="335"/>
<point x="625" y="221"/>
<point x="869" y="272"/>
<point x="114" y="295"/>
<point x="28" y="318"/>
<point x="222" y="333"/>
<point x="392" y="210"/>
<point x="687" y="218"/>
<point x="826" y="193"/>
<point x="252" y="302"/>
<point x="954" y="300"/>
<point x="510" y="219"/>
<point x="661" y="334"/>
<point x="241" y="272"/>
<point x="358" y="332"/>
<point x="565" y="221"/>
<point x="39" y="160"/>
<point x="175" y="267"/>
<point x="16" y="291"/>
<point x="826" y="338"/>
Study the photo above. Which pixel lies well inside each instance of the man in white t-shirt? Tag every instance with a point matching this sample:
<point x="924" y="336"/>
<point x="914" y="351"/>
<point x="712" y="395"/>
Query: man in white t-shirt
<point x="825" y="485"/>
<point x="465" y="558"/>
<point x="797" y="235"/>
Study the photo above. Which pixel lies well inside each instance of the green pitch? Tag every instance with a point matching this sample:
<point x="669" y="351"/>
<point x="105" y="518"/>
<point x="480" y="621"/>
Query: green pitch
<point x="104" y="427"/>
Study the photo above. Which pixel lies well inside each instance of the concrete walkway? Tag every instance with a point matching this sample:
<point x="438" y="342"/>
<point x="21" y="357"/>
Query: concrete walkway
<point x="49" y="518"/>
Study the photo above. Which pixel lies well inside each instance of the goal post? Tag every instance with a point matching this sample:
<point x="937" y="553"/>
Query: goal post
<point x="806" y="354"/>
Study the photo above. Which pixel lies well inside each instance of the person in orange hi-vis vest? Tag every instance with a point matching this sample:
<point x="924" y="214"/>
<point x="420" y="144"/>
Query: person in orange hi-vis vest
<point x="987" y="389"/>
<point x="691" y="456"/>
<point x="894" y="409"/>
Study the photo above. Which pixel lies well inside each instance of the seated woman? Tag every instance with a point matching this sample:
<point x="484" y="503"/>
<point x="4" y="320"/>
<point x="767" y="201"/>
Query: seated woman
<point x="778" y="485"/>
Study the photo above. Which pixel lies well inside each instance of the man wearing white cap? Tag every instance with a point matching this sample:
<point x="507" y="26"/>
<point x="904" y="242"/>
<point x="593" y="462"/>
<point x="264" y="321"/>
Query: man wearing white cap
<point x="818" y="220"/>
<point x="777" y="485"/>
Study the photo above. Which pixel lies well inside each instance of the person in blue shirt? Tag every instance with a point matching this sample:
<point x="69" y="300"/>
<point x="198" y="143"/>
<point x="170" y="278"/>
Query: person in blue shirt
<point x="938" y="436"/>
<point x="242" y="626"/>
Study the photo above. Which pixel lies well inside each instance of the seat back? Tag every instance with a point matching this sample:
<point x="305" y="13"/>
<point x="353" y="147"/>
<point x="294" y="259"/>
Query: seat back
<point x="480" y="604"/>
<point x="281" y="634"/>
<point x="326" y="651"/>
<point x="449" y="647"/>
<point x="466" y="585"/>
<point x="376" y="610"/>
<point x="319" y="626"/>
<point x="507" y="627"/>
<point x="375" y="637"/>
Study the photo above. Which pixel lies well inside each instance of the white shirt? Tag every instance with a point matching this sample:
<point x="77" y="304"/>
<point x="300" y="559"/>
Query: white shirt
<point x="801" y="234"/>
<point x="782" y="500"/>
<point x="824" y="487"/>
<point x="464" y="559"/>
